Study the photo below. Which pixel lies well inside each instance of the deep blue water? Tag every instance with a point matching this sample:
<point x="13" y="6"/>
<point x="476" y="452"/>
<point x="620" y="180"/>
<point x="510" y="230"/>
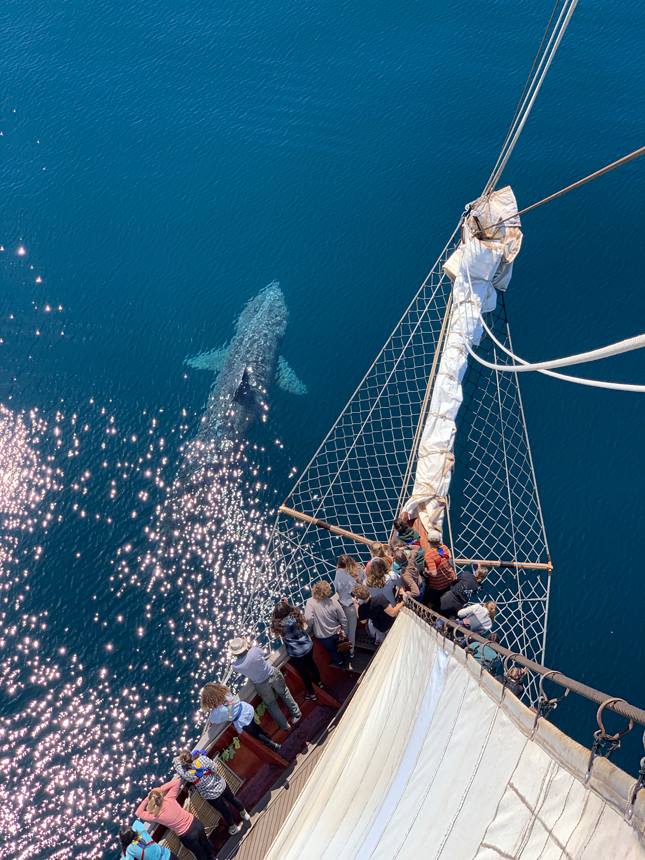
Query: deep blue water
<point x="162" y="163"/>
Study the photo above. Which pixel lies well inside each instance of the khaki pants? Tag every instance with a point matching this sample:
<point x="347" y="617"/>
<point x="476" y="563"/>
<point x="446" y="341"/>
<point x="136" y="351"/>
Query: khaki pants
<point x="269" y="691"/>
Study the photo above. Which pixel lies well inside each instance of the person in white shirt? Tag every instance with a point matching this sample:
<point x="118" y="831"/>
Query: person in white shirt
<point x="478" y="617"/>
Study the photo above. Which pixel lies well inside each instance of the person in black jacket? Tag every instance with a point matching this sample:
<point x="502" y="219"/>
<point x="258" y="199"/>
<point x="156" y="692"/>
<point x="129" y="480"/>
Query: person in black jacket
<point x="462" y="590"/>
<point x="513" y="680"/>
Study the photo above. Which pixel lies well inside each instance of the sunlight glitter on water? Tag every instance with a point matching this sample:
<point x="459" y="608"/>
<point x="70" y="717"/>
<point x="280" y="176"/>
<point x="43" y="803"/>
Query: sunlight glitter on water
<point x="85" y="735"/>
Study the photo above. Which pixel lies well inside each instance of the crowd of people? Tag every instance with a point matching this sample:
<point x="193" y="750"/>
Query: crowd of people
<point x="370" y="596"/>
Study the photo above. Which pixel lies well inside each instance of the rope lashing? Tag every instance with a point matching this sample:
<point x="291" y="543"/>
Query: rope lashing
<point x="603" y="743"/>
<point x="544" y="704"/>
<point x="637" y="787"/>
<point x="625" y="160"/>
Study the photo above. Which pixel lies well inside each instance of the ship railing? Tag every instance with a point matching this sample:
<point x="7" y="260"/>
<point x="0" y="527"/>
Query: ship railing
<point x="449" y="626"/>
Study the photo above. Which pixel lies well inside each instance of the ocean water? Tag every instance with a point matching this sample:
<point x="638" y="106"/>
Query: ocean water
<point x="160" y="165"/>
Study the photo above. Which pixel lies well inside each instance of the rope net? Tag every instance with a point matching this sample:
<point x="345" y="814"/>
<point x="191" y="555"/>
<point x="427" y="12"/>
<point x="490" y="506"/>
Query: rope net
<point x="364" y="470"/>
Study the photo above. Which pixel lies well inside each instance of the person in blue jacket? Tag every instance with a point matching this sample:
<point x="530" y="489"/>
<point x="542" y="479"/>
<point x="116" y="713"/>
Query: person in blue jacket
<point x="138" y="844"/>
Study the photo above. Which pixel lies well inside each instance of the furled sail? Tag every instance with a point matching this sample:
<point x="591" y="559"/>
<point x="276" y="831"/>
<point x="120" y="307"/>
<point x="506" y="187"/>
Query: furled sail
<point x="433" y="759"/>
<point x="481" y="265"/>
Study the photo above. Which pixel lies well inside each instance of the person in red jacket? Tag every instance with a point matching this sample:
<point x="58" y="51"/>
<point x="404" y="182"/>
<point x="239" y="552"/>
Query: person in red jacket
<point x="439" y="572"/>
<point x="161" y="807"/>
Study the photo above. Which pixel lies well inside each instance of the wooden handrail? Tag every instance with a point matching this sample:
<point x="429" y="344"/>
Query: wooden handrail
<point x="321" y="524"/>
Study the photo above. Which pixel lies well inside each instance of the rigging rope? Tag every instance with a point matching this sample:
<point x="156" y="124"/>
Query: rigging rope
<point x="563" y="362"/>
<point x="534" y="88"/>
<point x="625" y="160"/>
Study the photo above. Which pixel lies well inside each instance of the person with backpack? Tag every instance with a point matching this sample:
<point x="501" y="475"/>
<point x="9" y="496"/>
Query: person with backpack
<point x="138" y="844"/>
<point x="196" y="767"/>
<point x="439" y="572"/>
<point x="410" y="580"/>
<point x="224" y="707"/>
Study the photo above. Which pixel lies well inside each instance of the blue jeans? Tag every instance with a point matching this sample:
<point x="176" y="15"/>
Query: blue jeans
<point x="330" y="645"/>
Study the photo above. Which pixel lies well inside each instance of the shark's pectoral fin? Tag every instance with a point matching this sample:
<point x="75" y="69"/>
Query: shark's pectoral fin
<point x="213" y="360"/>
<point x="287" y="379"/>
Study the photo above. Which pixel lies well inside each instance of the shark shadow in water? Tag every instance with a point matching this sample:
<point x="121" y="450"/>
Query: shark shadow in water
<point x="246" y="368"/>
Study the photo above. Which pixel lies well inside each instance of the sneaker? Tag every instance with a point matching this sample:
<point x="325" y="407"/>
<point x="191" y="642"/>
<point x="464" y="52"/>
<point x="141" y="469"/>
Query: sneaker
<point x="245" y="815"/>
<point x="234" y="828"/>
<point x="274" y="746"/>
<point x="294" y="720"/>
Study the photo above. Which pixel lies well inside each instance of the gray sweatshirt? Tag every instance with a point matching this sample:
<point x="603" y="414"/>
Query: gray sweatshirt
<point x="325" y="616"/>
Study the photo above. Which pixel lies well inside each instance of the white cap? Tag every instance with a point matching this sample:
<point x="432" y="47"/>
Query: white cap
<point x="434" y="535"/>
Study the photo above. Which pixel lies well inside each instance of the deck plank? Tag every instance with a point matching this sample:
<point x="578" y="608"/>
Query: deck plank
<point x="273" y="810"/>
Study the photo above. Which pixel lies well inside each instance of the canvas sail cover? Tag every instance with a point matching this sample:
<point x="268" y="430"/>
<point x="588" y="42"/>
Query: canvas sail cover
<point x="431" y="761"/>
<point x="481" y="265"/>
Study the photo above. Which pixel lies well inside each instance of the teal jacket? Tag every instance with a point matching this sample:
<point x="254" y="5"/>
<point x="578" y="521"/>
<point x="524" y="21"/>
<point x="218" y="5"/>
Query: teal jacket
<point x="138" y="850"/>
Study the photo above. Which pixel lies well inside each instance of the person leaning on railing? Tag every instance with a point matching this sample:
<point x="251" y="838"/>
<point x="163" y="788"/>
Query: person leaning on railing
<point x="161" y="807"/>
<point x="138" y="844"/>
<point x="462" y="590"/>
<point x="288" y="623"/>
<point x="268" y="680"/>
<point x="224" y="707"/>
<point x="200" y="770"/>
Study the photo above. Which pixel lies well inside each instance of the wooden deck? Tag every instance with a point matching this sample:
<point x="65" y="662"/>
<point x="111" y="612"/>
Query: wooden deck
<point x="268" y="784"/>
<point x="268" y="816"/>
<point x="271" y="812"/>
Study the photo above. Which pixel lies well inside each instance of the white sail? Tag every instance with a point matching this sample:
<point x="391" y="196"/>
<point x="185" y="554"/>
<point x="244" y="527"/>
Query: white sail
<point x="431" y="760"/>
<point x="478" y="268"/>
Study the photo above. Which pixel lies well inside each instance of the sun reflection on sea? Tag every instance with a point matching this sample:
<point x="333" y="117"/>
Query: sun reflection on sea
<point x="95" y="703"/>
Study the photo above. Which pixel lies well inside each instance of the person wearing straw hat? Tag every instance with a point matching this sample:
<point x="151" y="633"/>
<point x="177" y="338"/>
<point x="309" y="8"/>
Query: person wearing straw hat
<point x="267" y="680"/>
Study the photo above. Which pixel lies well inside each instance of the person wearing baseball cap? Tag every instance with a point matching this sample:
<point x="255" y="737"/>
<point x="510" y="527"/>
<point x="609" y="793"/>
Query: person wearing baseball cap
<point x="267" y="680"/>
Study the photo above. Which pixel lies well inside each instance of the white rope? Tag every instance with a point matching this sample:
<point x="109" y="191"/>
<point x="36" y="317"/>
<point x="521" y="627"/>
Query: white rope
<point x="637" y="342"/>
<point x="594" y="383"/>
<point x="562" y="24"/>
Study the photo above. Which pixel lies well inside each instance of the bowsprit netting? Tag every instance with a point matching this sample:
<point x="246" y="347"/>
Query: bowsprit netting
<point x="494" y="503"/>
<point x="364" y="470"/>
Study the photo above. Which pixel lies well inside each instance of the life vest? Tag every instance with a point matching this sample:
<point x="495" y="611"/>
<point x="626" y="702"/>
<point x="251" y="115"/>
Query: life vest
<point x="198" y="773"/>
<point x="138" y="842"/>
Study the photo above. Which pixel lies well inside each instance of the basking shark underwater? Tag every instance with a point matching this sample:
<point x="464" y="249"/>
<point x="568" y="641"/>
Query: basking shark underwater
<point x="245" y="369"/>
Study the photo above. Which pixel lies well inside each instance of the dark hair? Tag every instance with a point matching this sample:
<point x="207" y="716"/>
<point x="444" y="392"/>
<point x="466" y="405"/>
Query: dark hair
<point x="126" y="836"/>
<point x="494" y="638"/>
<point x="186" y="757"/>
<point x="281" y="611"/>
<point x="400" y="525"/>
<point x="400" y="558"/>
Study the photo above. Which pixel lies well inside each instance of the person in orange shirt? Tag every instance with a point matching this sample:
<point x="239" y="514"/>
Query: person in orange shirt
<point x="438" y="571"/>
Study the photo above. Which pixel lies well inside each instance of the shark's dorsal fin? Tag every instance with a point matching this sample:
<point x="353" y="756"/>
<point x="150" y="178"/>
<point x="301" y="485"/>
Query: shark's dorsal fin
<point x="287" y="379"/>
<point x="213" y="360"/>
